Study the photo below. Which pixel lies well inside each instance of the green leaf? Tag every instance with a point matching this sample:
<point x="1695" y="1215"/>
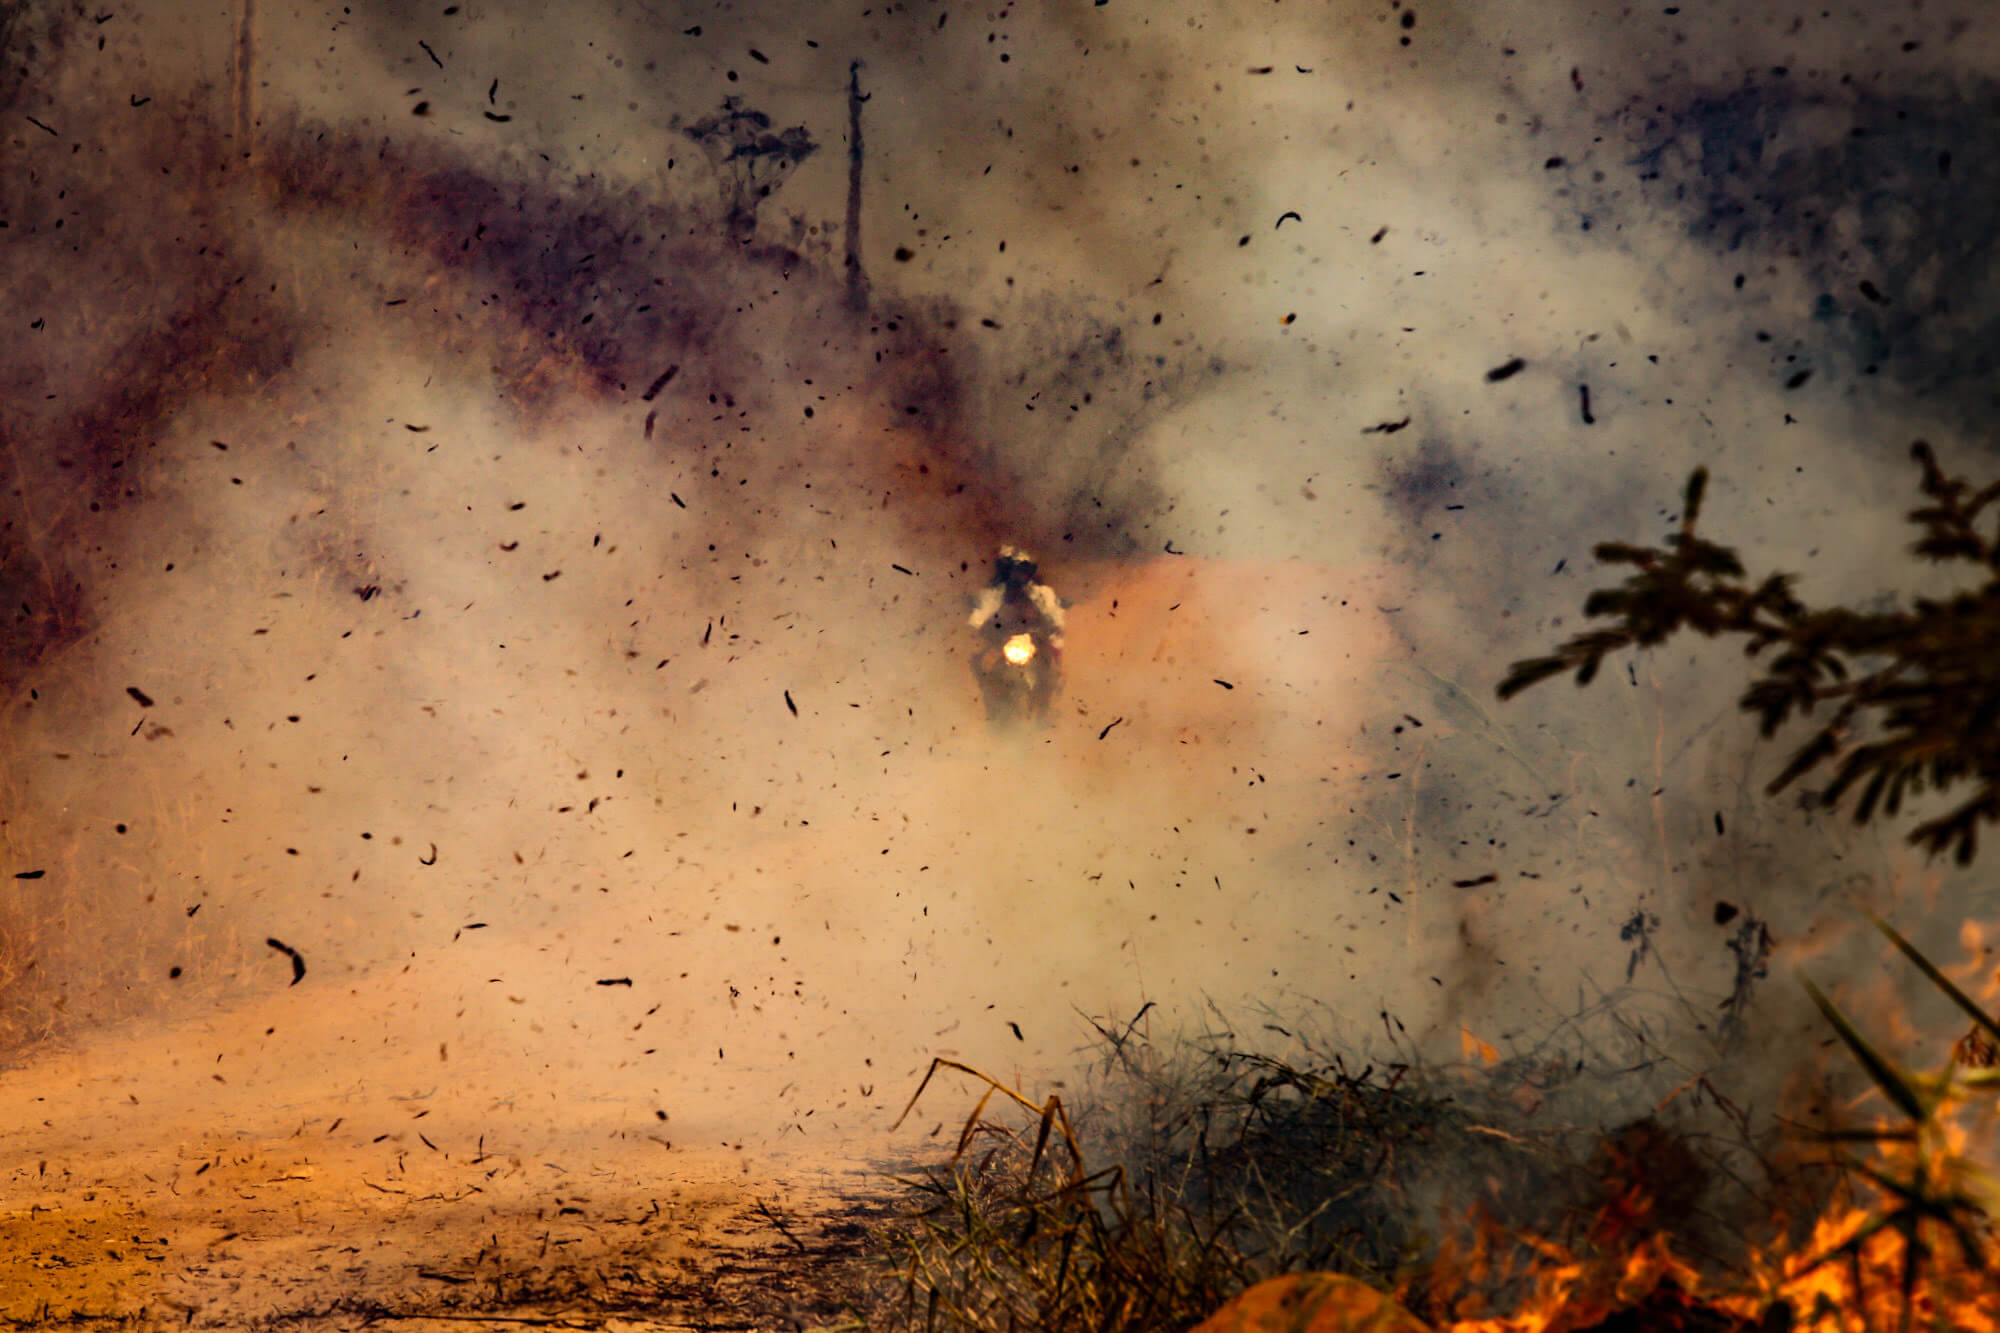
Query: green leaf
<point x="1869" y="795"/>
<point x="1530" y="671"/>
<point x="1808" y="756"/>
<point x="1623" y="553"/>
<point x="1691" y="507"/>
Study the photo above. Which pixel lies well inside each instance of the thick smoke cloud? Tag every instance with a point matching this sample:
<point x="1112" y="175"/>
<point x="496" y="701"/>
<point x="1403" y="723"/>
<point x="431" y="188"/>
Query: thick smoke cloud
<point x="380" y="591"/>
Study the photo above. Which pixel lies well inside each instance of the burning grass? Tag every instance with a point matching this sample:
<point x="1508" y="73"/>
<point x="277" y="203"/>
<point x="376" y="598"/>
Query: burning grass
<point x="1198" y="1170"/>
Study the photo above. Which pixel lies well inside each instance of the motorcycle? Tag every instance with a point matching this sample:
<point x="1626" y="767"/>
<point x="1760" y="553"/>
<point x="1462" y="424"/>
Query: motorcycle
<point x="1019" y="676"/>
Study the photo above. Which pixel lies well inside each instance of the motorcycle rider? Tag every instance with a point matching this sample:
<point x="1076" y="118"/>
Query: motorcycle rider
<point x="1015" y="603"/>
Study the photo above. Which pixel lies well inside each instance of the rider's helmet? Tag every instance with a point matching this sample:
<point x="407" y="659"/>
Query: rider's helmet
<point x="1013" y="566"/>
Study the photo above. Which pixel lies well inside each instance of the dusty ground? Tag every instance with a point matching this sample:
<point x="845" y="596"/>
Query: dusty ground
<point x="638" y="1109"/>
<point x="314" y="1192"/>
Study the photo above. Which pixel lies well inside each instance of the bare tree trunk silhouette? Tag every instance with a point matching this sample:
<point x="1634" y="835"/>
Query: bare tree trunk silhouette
<point x="857" y="277"/>
<point x="244" y="116"/>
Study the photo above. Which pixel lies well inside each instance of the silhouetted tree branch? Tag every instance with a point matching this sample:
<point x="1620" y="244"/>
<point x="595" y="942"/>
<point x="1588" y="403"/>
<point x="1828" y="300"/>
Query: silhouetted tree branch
<point x="750" y="158"/>
<point x="1922" y="684"/>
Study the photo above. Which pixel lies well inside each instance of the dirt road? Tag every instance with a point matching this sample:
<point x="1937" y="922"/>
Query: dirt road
<point x="246" y="1170"/>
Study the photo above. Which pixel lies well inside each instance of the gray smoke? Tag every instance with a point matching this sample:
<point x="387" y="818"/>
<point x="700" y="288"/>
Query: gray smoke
<point x="381" y="592"/>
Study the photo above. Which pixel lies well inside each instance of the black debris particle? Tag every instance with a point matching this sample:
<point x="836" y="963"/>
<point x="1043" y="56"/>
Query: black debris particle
<point x="421" y="109"/>
<point x="1223" y="683"/>
<point x="664" y="378"/>
<point x="144" y="699"/>
<point x="1376" y="239"/>
<point x="759" y="56"/>
<point x="1552" y="164"/>
<point x="430" y="860"/>
<point x="1385" y="427"/>
<point x="499" y="118"/>
<point x="900" y="570"/>
<point x="29" y="874"/>
<point x="1718" y="824"/>
<point x="1108" y="726"/>
<point x="1017" y="1030"/>
<point x="651" y="417"/>
<point x="1507" y="370"/>
<point x="298" y="959"/>
<point x="1725" y="913"/>
<point x="614" y="981"/>
<point x="1583" y="395"/>
<point x="1797" y="377"/>
<point x="1873" y="293"/>
<point x="904" y="254"/>
<point x="432" y="54"/>
<point x="1488" y="878"/>
<point x="43" y="128"/>
<point x="679" y="503"/>
<point x="1287" y="214"/>
<point x="789" y="704"/>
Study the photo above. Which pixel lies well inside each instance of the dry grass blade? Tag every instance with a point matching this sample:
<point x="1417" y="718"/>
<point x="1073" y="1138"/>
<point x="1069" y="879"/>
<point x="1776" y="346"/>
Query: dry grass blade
<point x="1937" y="978"/>
<point x="1051" y="1113"/>
<point x="1891" y="1080"/>
<point x="1207" y="1168"/>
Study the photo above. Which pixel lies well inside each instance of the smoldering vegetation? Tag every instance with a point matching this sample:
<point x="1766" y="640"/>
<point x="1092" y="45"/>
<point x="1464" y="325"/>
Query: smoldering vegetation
<point x="1194" y="1169"/>
<point x="435" y="555"/>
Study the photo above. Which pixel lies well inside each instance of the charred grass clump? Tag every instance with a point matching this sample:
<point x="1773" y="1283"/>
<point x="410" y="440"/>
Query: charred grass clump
<point x="1194" y="1170"/>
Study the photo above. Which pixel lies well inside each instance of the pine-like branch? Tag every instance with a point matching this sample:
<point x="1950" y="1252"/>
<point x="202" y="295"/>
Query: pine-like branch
<point x="1917" y="692"/>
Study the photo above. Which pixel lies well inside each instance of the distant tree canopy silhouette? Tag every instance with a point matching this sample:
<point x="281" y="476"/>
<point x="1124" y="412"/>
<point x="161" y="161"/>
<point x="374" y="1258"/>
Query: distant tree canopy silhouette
<point x="1915" y="694"/>
<point x="750" y="160"/>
